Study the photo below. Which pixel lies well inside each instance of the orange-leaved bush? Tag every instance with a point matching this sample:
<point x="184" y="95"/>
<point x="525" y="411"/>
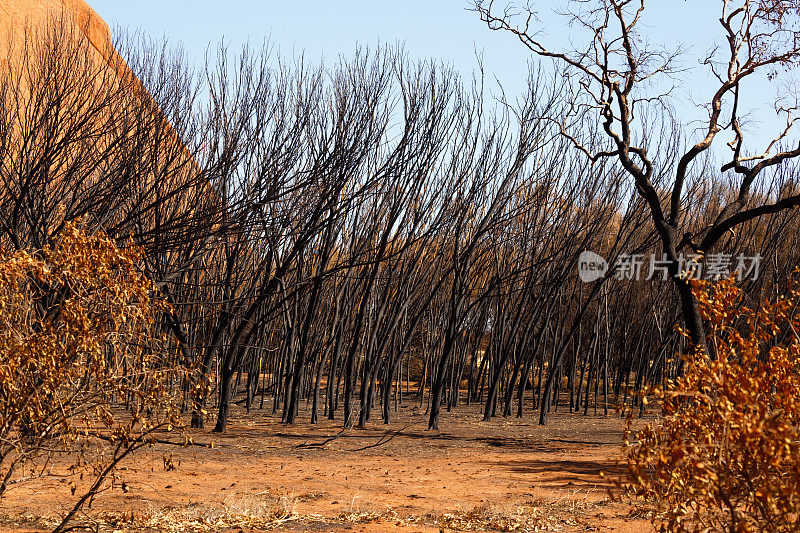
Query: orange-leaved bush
<point x="724" y="454"/>
<point x="82" y="370"/>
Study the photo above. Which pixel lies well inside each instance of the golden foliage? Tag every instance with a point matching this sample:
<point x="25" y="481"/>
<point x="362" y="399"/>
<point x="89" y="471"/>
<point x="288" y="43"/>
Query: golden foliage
<point x="725" y="454"/>
<point x="81" y="369"/>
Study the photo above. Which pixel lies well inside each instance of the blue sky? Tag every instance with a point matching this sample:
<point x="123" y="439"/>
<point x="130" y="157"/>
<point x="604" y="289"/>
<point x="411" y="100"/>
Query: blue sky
<point x="439" y="29"/>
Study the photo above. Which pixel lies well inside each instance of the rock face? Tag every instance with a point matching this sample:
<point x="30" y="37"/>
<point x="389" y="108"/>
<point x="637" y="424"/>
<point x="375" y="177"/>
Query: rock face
<point x="80" y="135"/>
<point x="17" y="15"/>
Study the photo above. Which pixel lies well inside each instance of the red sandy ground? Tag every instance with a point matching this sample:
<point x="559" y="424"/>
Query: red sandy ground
<point x="505" y="474"/>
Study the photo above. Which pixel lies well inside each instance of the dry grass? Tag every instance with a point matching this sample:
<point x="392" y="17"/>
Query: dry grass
<point x="264" y="514"/>
<point x="533" y="515"/>
<point x="252" y="512"/>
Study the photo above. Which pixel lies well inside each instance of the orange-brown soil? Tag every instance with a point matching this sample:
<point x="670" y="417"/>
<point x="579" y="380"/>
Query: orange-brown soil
<point x="508" y="474"/>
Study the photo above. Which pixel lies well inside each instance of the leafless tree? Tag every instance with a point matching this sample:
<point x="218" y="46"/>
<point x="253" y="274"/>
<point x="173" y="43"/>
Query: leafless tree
<point x="615" y="72"/>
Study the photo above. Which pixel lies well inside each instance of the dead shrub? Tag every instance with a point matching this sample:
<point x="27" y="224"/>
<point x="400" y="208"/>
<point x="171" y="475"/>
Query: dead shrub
<point x="83" y="373"/>
<point x="725" y="452"/>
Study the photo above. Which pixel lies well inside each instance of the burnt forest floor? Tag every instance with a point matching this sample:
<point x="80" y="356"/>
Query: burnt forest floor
<point x="505" y="475"/>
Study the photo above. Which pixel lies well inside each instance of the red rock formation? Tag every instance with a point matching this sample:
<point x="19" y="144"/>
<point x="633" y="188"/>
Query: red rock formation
<point x="59" y="54"/>
<point x="17" y="15"/>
